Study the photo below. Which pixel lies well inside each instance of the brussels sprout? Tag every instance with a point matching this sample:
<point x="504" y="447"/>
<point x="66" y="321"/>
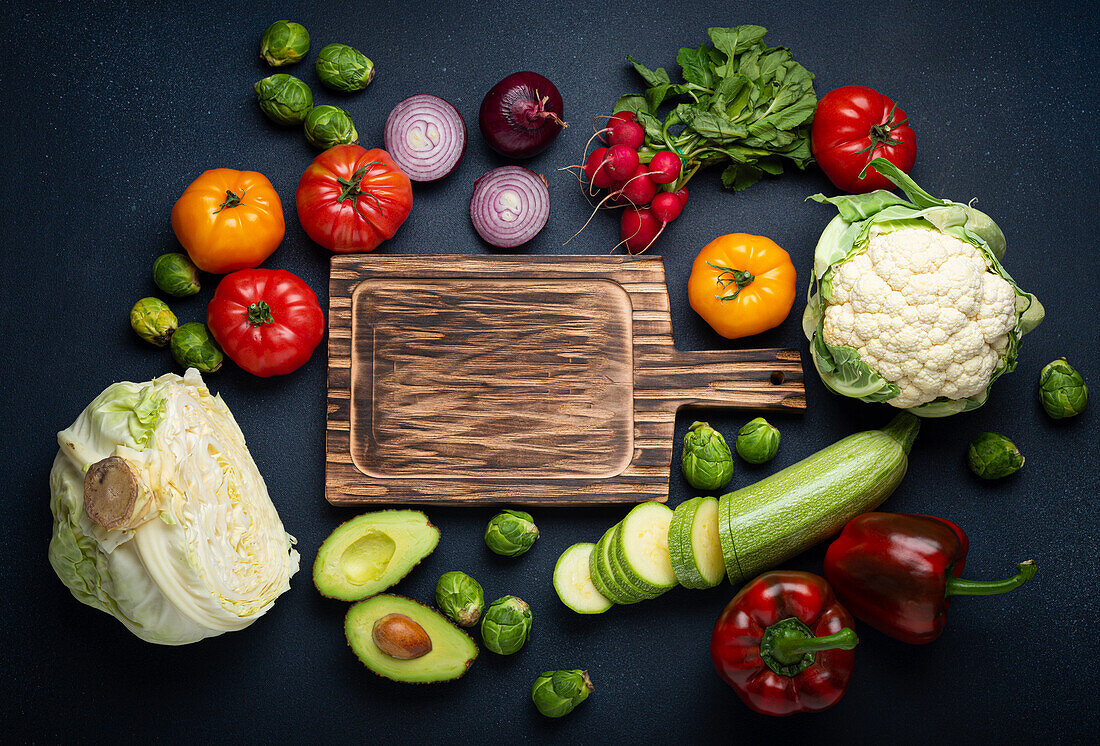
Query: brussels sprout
<point x="176" y="275"/>
<point x="193" y="347"/>
<point x="284" y="98"/>
<point x="556" y="693"/>
<point x="757" y="441"/>
<point x="460" y="597"/>
<point x="329" y="125"/>
<point x="506" y="625"/>
<point x="344" y="68"/>
<point x="706" y="459"/>
<point x="153" y="321"/>
<point x="992" y="456"/>
<point x="1062" y="390"/>
<point x="284" y="43"/>
<point x="511" y="533"/>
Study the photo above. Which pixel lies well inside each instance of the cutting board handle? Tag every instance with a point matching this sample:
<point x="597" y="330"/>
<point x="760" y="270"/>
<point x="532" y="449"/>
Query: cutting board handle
<point x="743" y="379"/>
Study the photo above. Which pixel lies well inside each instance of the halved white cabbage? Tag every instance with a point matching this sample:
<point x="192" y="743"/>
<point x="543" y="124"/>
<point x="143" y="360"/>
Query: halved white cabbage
<point x="204" y="551"/>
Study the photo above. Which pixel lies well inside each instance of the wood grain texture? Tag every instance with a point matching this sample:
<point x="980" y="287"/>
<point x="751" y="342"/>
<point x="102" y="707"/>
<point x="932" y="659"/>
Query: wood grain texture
<point x="498" y="379"/>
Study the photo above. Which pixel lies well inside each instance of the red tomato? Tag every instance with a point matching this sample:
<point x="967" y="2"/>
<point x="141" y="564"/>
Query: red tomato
<point x="854" y="125"/>
<point x="268" y="321"/>
<point x="352" y="199"/>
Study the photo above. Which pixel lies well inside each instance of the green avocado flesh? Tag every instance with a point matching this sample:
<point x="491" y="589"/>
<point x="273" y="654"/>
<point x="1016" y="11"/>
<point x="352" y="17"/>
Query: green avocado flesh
<point x="452" y="649"/>
<point x="370" y="553"/>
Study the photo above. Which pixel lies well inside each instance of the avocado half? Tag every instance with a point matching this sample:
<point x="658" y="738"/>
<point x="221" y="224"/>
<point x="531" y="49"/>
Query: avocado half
<point x="452" y="651"/>
<point x="371" y="552"/>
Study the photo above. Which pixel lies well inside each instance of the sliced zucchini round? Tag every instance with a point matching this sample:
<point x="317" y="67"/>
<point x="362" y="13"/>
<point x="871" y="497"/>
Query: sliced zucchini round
<point x="573" y="581"/>
<point x="636" y="587"/>
<point x="642" y="548"/>
<point x="602" y="576"/>
<point x="693" y="544"/>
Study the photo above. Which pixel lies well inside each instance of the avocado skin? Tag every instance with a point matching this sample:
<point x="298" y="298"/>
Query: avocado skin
<point x="440" y="664"/>
<point x="402" y="524"/>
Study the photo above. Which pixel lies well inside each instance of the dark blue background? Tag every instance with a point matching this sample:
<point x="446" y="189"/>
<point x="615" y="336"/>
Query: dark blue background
<point x="110" y="110"/>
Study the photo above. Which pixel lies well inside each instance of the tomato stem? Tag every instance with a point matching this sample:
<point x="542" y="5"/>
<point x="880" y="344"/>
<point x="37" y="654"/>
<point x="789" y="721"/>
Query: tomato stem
<point x="259" y="313"/>
<point x="742" y="278"/>
<point x="352" y="188"/>
<point x="232" y="199"/>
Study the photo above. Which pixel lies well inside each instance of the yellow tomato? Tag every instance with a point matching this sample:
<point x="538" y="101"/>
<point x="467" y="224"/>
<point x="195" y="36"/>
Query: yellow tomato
<point x="229" y="220"/>
<point x="742" y="285"/>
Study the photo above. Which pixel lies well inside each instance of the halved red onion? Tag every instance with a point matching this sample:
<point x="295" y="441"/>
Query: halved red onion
<point x="510" y="205"/>
<point x="426" y="137"/>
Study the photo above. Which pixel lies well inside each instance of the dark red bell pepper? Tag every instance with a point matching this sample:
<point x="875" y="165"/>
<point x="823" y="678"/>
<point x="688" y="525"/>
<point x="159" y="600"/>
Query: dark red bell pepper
<point x="898" y="572"/>
<point x="785" y="644"/>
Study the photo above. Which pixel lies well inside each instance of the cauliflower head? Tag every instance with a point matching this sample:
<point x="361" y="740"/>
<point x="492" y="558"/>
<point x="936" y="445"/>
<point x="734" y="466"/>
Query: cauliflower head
<point x="926" y="311"/>
<point x="909" y="303"/>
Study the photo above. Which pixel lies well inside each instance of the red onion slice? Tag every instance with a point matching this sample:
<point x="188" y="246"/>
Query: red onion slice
<point x="426" y="137"/>
<point x="510" y="205"/>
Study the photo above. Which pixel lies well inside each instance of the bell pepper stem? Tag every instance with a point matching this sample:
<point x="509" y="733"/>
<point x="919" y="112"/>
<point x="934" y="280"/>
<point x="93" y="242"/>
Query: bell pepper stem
<point x="791" y="649"/>
<point x="1025" y="571"/>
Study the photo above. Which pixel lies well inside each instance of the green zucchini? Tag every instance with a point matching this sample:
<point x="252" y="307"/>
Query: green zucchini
<point x="642" y="547"/>
<point x="602" y="576"/>
<point x="693" y="544"/>
<point x="573" y="581"/>
<point x="788" y="512"/>
<point x="636" y="587"/>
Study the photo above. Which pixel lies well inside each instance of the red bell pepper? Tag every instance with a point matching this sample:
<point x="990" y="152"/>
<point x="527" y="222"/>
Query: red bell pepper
<point x="898" y="572"/>
<point x="785" y="644"/>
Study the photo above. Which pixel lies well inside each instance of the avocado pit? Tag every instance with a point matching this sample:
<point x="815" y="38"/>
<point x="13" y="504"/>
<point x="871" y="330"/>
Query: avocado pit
<point x="400" y="637"/>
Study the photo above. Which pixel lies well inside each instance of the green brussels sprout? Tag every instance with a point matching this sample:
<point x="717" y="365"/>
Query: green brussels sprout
<point x="556" y="693"/>
<point x="176" y="275"/>
<point x="992" y="456"/>
<point x="757" y="441"/>
<point x="1062" y="390"/>
<point x="506" y="625"/>
<point x="193" y="347"/>
<point x="284" y="98"/>
<point x="344" y="68"/>
<point x="284" y="43"/>
<point x="460" y="597"/>
<point x="153" y="321"/>
<point x="706" y="459"/>
<point x="511" y="533"/>
<point x="329" y="125"/>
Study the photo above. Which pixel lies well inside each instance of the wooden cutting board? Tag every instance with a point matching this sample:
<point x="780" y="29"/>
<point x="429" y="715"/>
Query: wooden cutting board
<point x="518" y="379"/>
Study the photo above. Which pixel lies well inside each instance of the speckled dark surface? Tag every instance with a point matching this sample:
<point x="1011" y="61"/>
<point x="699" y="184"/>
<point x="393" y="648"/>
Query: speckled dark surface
<point x="112" y="109"/>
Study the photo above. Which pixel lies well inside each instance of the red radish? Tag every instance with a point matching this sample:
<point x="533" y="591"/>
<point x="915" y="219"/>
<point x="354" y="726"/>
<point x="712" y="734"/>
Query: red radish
<point x="639" y="189"/>
<point x="620" y="117"/>
<point x="666" y="207"/>
<point x="593" y="171"/>
<point x="621" y="162"/>
<point x="682" y="193"/>
<point x="521" y="115"/>
<point x="629" y="134"/>
<point x="638" y="230"/>
<point x="617" y="192"/>
<point x="665" y="167"/>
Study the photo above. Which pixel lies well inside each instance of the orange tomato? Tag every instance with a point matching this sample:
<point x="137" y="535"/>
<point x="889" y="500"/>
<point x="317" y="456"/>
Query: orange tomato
<point x="742" y="284"/>
<point x="228" y="220"/>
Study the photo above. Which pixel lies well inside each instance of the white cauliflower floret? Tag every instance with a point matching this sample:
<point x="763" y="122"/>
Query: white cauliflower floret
<point x="925" y="311"/>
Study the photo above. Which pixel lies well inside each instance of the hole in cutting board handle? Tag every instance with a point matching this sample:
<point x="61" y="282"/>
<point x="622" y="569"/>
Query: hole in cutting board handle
<point x="777" y="377"/>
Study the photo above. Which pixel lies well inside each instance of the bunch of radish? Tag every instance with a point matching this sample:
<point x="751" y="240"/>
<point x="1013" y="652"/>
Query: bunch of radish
<point x="646" y="190"/>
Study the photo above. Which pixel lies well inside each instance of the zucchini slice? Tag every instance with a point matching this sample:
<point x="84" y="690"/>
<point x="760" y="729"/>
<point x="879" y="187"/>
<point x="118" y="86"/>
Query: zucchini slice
<point x="635" y="586"/>
<point x="600" y="568"/>
<point x="642" y="548"/>
<point x="693" y="544"/>
<point x="573" y="581"/>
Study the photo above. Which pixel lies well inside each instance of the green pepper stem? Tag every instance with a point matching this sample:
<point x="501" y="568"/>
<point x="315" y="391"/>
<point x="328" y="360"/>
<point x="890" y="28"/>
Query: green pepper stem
<point x="789" y="650"/>
<point x="1025" y="571"/>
